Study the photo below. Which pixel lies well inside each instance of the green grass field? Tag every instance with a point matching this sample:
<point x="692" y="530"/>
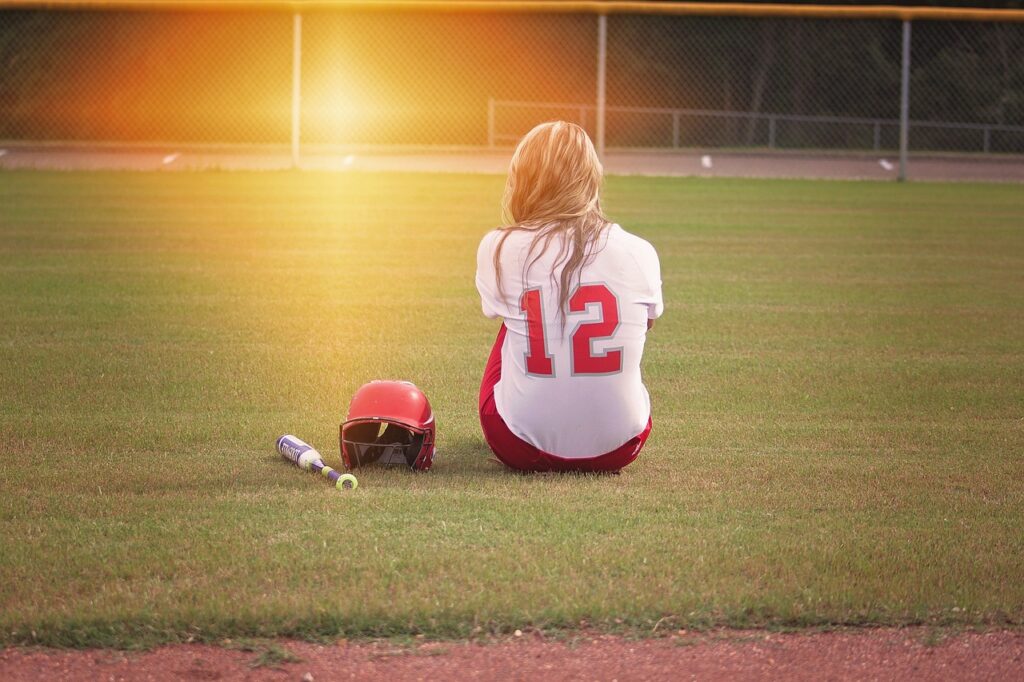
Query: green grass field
<point x="838" y="387"/>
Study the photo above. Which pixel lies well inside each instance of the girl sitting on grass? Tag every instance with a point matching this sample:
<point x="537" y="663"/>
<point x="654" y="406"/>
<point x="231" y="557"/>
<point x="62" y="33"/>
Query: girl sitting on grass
<point x="562" y="389"/>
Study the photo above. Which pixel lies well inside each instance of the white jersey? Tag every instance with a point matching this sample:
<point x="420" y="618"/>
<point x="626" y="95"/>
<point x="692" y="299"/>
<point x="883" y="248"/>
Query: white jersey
<point x="573" y="391"/>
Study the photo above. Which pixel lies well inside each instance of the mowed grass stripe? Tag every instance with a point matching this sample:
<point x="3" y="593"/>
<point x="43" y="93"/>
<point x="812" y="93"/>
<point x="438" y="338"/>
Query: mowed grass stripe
<point x="838" y="388"/>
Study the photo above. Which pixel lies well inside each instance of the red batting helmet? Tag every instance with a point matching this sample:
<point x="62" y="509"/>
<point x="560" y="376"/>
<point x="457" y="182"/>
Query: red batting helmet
<point x="390" y="422"/>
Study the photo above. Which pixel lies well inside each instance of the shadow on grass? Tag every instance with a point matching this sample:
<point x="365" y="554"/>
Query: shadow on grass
<point x="474" y="459"/>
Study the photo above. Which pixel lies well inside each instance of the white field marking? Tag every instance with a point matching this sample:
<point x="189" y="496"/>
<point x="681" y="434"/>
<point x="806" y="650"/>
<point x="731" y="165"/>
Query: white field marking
<point x="705" y="161"/>
<point x="171" y="158"/>
<point x="347" y="161"/>
<point x="886" y="165"/>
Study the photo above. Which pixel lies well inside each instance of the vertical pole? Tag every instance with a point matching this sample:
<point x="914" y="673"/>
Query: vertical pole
<point x="602" y="58"/>
<point x="675" y="129"/>
<point x="986" y="140"/>
<point x="296" y="85"/>
<point x="905" y="102"/>
<point x="490" y="122"/>
<point x="771" y="132"/>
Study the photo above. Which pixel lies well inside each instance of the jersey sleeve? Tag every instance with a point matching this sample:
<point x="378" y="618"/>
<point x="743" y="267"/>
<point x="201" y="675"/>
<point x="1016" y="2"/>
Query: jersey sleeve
<point x="486" y="280"/>
<point x="650" y="271"/>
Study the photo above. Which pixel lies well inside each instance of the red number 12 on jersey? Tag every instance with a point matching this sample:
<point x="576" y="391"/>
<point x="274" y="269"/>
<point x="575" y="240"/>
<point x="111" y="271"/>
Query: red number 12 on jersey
<point x="540" y="363"/>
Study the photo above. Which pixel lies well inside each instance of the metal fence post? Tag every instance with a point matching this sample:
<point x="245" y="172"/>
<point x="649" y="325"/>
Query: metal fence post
<point x="490" y="122"/>
<point x="905" y="102"/>
<point x="296" y="85"/>
<point x="771" y="132"/>
<point x="986" y="140"/>
<point x="675" y="129"/>
<point x="602" y="58"/>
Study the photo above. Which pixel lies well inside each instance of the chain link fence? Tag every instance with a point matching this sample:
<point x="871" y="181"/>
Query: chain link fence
<point x="813" y="84"/>
<point x="140" y="76"/>
<point x="762" y="83"/>
<point x="479" y="80"/>
<point x="426" y="78"/>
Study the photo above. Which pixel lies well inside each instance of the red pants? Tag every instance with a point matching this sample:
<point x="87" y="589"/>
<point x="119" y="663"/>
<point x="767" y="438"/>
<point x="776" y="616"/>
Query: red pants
<point x="518" y="454"/>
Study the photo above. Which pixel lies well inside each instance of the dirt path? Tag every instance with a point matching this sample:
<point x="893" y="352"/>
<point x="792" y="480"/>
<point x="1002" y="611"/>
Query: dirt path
<point x="710" y="163"/>
<point x="877" y="654"/>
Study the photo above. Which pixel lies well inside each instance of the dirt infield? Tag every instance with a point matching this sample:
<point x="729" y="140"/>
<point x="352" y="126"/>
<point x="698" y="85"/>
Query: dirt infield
<point x="657" y="163"/>
<point x="876" y="654"/>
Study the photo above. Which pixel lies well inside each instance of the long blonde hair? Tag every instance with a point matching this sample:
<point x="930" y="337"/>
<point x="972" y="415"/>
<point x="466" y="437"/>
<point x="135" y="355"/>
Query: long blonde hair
<point x="553" y="188"/>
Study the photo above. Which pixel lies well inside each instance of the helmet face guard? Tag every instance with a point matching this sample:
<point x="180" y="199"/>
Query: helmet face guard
<point x="390" y="422"/>
<point x="367" y="440"/>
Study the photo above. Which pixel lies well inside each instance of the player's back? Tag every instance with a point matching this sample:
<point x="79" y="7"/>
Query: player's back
<point x="571" y="384"/>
